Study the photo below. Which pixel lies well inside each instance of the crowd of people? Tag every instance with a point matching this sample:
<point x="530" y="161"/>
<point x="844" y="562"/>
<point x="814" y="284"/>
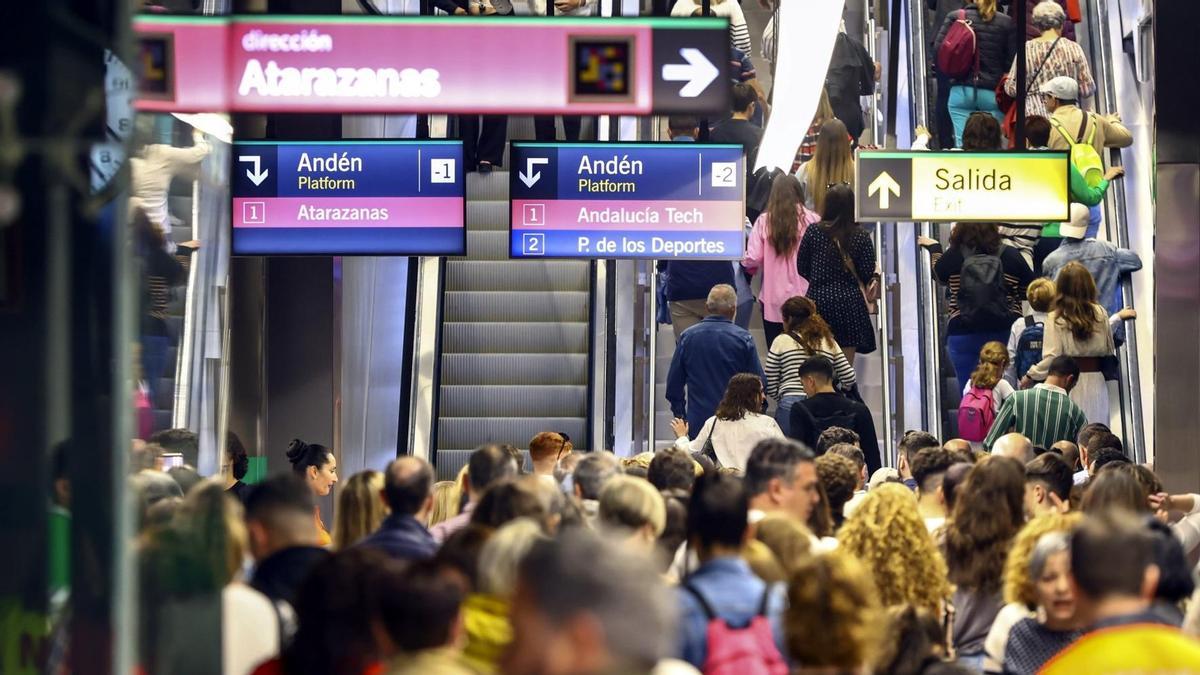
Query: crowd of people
<point x="1062" y="560"/>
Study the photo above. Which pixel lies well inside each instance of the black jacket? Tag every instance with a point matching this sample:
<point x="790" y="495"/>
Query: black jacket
<point x="280" y="574"/>
<point x="996" y="41"/>
<point x="817" y="413"/>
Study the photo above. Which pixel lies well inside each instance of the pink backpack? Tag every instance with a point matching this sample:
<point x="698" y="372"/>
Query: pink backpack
<point x="976" y="413"/>
<point x="748" y="650"/>
<point x="958" y="55"/>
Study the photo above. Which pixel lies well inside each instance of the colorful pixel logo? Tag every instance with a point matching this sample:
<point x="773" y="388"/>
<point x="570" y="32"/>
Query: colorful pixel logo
<point x="602" y="68"/>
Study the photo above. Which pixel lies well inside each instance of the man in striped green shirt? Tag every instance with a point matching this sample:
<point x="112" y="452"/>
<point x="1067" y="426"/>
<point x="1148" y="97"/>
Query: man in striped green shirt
<point x="1045" y="414"/>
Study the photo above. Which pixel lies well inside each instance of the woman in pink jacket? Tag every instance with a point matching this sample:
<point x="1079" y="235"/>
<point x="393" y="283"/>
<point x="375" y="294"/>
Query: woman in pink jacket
<point x="772" y="248"/>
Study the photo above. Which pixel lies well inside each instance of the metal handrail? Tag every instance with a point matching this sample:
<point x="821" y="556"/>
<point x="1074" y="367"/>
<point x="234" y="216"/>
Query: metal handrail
<point x="1118" y="228"/>
<point x="182" y="404"/>
<point x="884" y="329"/>
<point x="931" y="355"/>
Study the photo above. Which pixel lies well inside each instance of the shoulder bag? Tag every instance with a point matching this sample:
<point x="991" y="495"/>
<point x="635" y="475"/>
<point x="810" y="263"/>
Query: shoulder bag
<point x="708" y="450"/>
<point x="869" y="290"/>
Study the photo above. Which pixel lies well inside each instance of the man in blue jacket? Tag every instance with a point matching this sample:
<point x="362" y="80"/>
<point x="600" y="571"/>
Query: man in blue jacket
<point x="707" y="356"/>
<point x="408" y="491"/>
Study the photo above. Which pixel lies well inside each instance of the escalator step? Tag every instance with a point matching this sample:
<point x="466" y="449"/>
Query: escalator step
<point x="517" y="275"/>
<point x="487" y="216"/>
<point x="460" y="432"/>
<point x="514" y="369"/>
<point x="513" y="401"/>
<point x="514" y="338"/>
<point x="487" y="187"/>
<point x="487" y="245"/>
<point x="555" y="306"/>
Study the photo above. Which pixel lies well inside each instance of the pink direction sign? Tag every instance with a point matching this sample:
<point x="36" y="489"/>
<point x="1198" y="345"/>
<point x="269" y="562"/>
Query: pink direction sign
<point x="516" y="65"/>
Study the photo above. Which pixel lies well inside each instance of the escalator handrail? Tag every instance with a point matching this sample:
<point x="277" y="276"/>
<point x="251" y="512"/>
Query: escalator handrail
<point x="1101" y="57"/>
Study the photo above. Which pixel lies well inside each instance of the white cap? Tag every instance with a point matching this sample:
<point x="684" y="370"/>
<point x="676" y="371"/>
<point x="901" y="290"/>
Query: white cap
<point x="1062" y="88"/>
<point x="883" y="475"/>
<point x="1077" y="227"/>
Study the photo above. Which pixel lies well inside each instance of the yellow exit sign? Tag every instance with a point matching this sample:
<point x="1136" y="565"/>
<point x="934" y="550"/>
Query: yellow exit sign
<point x="957" y="186"/>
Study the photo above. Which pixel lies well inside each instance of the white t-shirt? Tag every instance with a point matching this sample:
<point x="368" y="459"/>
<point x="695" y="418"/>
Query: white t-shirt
<point x="733" y="440"/>
<point x="1001" y="391"/>
<point x="249" y="629"/>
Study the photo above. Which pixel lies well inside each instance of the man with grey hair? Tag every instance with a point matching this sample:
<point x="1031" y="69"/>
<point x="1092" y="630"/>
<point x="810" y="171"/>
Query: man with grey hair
<point x="1016" y="446"/>
<point x="591" y="475"/>
<point x="585" y="606"/>
<point x="706" y="357"/>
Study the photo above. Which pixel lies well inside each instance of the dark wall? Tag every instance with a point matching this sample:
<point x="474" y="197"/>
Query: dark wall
<point x="1177" y="247"/>
<point x="299" y="357"/>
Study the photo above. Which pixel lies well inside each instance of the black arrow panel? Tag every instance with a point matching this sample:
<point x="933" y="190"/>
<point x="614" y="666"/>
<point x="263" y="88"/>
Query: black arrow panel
<point x="715" y="47"/>
<point x="867" y="206"/>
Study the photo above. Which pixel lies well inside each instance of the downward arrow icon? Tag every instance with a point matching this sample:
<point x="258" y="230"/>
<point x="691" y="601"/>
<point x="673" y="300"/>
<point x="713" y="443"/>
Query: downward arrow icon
<point x="530" y="177"/>
<point x="886" y="186"/>
<point x="259" y="174"/>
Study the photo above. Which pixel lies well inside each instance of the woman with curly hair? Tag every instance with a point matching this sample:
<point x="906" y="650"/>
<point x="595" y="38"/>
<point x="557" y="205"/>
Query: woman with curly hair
<point x="1079" y="327"/>
<point x="887" y="533"/>
<point x="988" y="512"/>
<point x="1020" y="585"/>
<point x="833" y="618"/>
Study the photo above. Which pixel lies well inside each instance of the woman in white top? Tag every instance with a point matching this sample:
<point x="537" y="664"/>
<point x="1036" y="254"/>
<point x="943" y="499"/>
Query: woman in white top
<point x="805" y="334"/>
<point x="737" y="426"/>
<point x="1079" y="327"/>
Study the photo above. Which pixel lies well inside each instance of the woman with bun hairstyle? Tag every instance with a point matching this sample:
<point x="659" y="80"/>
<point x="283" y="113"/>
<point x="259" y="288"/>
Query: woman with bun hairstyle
<point x="318" y="467"/>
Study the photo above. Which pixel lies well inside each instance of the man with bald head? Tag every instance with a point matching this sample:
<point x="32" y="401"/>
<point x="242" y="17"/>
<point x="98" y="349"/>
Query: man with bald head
<point x="1016" y="446"/>
<point x="408" y="491"/>
<point x="706" y="357"/>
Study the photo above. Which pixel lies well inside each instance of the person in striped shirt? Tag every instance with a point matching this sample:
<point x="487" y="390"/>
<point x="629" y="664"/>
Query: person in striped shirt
<point x="1044" y="414"/>
<point x="805" y="335"/>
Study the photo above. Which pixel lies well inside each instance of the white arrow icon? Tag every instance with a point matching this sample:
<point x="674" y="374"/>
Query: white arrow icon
<point x="698" y="72"/>
<point x="886" y="186"/>
<point x="532" y="178"/>
<point x="259" y="174"/>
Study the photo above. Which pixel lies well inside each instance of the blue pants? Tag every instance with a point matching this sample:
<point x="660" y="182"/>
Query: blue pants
<point x="964" y="352"/>
<point x="154" y="363"/>
<point x="783" y="413"/>
<point x="965" y="100"/>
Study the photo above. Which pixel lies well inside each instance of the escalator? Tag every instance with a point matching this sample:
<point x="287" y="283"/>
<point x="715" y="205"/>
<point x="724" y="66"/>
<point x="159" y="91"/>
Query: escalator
<point x="514" y="339"/>
<point x="941" y="396"/>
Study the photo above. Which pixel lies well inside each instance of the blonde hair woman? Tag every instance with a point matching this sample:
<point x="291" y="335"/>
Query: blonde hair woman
<point x="887" y="533"/>
<point x="988" y="378"/>
<point x="360" y="509"/>
<point x="832" y="163"/>
<point x="447" y="497"/>
<point x="1020" y="588"/>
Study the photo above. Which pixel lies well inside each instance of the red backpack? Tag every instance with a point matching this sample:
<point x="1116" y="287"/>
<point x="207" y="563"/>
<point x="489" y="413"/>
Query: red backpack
<point x="976" y="413"/>
<point x="958" y="55"/>
<point x="748" y="650"/>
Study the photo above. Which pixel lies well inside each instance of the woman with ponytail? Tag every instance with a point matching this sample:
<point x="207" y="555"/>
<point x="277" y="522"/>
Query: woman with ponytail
<point x="995" y="48"/>
<point x="772" y="250"/>
<point x="318" y="467"/>
<point x="805" y="335"/>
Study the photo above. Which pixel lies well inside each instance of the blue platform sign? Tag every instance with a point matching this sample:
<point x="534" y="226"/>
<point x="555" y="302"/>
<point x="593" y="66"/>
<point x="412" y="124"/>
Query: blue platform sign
<point x="348" y="198"/>
<point x="669" y="201"/>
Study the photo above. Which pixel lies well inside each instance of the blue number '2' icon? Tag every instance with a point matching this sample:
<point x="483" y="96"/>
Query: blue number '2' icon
<point x="533" y="243"/>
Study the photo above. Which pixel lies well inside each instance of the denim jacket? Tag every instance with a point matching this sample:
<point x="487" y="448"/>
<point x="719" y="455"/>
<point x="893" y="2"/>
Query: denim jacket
<point x="1106" y="263"/>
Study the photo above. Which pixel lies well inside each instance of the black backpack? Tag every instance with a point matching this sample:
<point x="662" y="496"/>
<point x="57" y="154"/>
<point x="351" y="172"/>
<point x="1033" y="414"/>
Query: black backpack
<point x="981" y="293"/>
<point x="760" y="191"/>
